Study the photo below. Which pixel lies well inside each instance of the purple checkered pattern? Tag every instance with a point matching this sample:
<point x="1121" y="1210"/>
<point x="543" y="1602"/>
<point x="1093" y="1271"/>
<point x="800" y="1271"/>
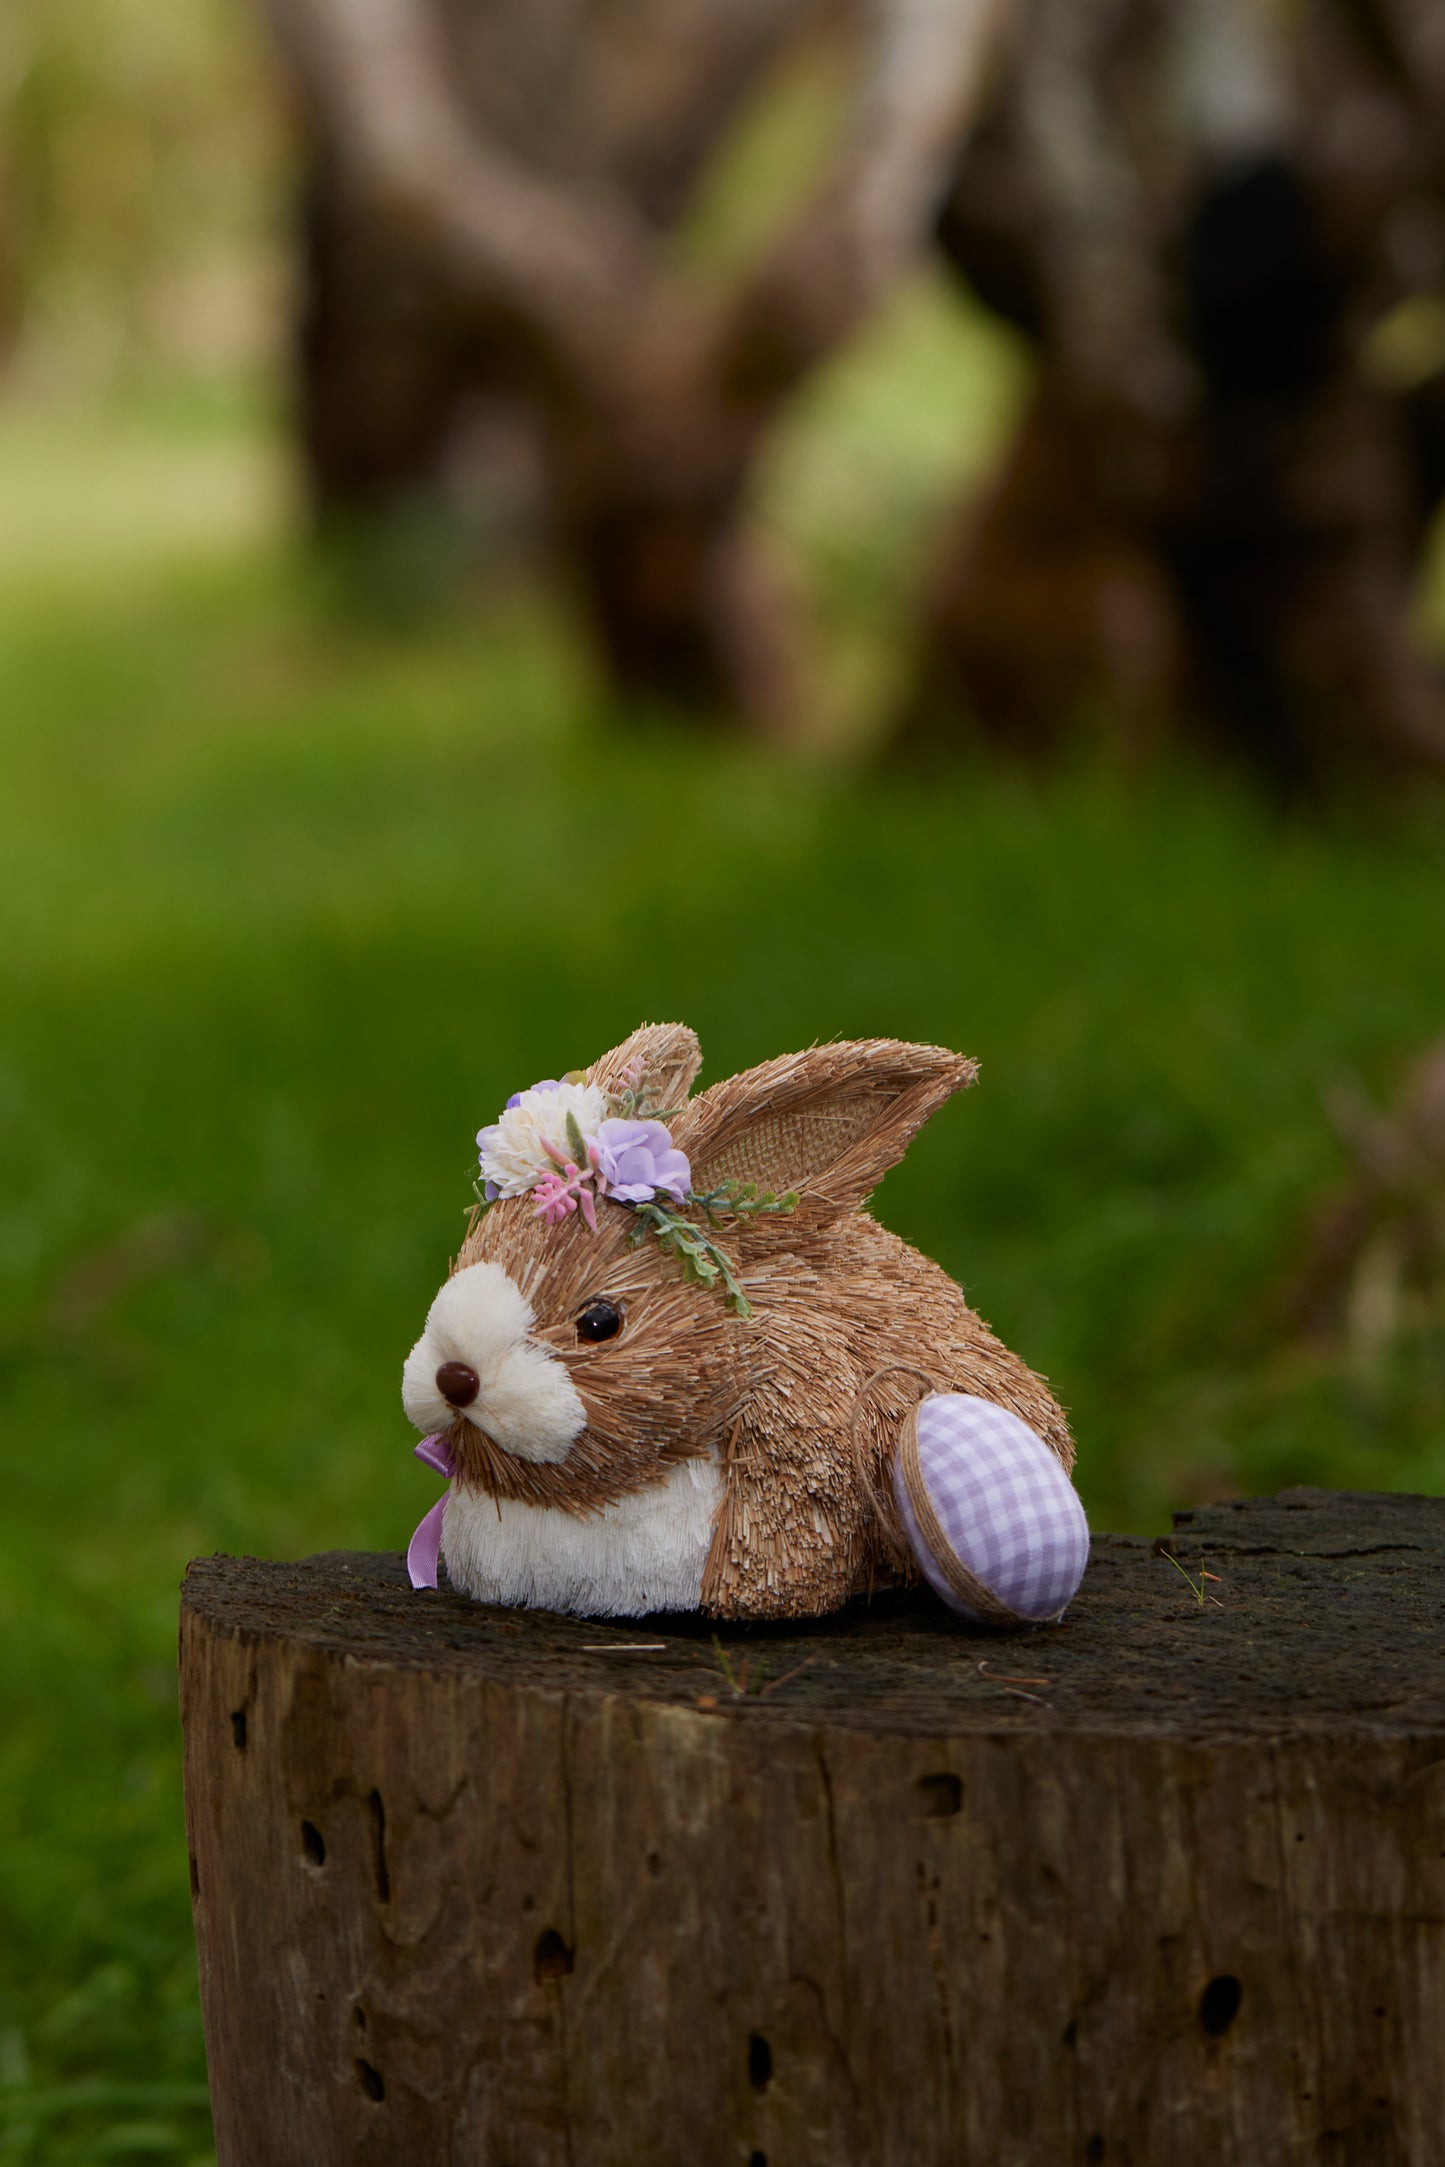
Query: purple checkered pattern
<point x="1009" y="1511"/>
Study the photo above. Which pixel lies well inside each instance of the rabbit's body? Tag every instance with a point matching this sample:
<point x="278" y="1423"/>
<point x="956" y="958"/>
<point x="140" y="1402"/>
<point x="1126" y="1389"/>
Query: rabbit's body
<point x="698" y="1458"/>
<point x="806" y="1520"/>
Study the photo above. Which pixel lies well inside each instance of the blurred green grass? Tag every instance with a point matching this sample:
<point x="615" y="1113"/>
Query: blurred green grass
<point x="291" y="898"/>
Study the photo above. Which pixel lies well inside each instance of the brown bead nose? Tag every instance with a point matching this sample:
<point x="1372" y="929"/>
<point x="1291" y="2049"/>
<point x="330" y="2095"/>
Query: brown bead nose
<point x="458" y="1383"/>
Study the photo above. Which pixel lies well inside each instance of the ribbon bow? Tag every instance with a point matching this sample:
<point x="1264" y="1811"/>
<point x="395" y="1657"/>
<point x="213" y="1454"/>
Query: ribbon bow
<point x="425" y="1546"/>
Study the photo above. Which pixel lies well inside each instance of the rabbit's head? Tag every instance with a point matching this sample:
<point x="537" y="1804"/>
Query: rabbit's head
<point x="572" y="1363"/>
<point x="569" y="1362"/>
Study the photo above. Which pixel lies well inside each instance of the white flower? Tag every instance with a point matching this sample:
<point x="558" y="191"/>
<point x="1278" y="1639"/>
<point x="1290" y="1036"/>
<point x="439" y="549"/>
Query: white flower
<point x="514" y="1149"/>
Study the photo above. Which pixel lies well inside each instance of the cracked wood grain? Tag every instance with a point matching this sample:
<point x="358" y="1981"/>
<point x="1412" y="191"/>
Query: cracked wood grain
<point x="469" y="1891"/>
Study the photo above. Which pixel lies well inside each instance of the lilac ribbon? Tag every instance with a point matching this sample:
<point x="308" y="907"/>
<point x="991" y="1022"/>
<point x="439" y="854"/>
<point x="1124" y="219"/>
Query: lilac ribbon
<point x="425" y="1546"/>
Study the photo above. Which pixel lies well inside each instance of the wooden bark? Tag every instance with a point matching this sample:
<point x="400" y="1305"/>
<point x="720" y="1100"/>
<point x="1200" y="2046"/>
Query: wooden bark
<point x="1215" y="508"/>
<point x="1165" y="1884"/>
<point x="526" y="170"/>
<point x="1045" y="607"/>
<point x="383" y="364"/>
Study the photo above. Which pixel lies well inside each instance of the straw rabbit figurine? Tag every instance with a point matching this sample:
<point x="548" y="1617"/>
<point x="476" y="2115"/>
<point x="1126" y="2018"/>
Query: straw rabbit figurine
<point x="677" y="1366"/>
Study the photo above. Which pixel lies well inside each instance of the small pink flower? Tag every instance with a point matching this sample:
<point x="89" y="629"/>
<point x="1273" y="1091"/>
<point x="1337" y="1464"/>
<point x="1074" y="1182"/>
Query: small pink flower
<point x="555" y="1200"/>
<point x="559" y="1195"/>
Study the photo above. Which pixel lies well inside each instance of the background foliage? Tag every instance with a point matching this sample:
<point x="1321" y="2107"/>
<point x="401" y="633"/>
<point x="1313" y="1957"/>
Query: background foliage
<point x="302" y="872"/>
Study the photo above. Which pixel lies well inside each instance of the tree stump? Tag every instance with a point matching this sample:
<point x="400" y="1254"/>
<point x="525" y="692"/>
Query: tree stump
<point x="1164" y="1885"/>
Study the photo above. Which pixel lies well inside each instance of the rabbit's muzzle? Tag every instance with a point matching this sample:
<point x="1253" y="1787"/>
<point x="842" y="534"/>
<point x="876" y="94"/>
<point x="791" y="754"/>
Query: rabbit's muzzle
<point x="479" y="1355"/>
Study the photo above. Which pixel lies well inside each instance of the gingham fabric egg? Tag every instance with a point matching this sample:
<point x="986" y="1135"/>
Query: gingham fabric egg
<point x="993" y="1519"/>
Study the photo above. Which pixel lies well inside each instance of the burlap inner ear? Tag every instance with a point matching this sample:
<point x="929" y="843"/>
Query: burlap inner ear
<point x="784" y="1151"/>
<point x="829" y="1121"/>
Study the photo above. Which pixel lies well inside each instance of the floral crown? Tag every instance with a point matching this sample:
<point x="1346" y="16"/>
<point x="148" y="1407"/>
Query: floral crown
<point x="570" y="1144"/>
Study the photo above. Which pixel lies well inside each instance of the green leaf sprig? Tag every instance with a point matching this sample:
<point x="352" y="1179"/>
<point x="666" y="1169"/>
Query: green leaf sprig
<point x="636" y="1105"/>
<point x="695" y="1249"/>
<point x="701" y="1258"/>
<point x="742" y="1200"/>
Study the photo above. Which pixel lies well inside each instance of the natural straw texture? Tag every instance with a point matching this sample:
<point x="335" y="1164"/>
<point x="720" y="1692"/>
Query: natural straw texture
<point x="830" y="1121"/>
<point x="804" y="1403"/>
<point x="667" y="1056"/>
<point x="896" y="1549"/>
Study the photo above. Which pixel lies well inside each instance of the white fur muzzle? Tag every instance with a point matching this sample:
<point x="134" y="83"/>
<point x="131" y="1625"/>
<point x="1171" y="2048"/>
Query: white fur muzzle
<point x="527" y="1403"/>
<point x="645" y="1553"/>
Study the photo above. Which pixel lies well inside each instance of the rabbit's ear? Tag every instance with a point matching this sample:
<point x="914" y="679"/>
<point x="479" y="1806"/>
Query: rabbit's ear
<point x="828" y="1123"/>
<point x="661" y="1060"/>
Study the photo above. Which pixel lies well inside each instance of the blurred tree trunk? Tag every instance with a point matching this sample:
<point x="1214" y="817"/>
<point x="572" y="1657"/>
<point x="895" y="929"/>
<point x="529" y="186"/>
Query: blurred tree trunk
<point x="382" y="363"/>
<point x="1205" y="217"/>
<point x="497" y="188"/>
<point x="1374" y="1272"/>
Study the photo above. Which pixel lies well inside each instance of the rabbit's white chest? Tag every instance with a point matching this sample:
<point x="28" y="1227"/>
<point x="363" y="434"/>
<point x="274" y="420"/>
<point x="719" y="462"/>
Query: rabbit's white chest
<point x="645" y="1553"/>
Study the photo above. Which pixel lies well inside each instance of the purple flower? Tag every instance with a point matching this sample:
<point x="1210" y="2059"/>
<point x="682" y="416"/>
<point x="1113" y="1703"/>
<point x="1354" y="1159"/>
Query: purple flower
<point x="516" y="1098"/>
<point x="637" y="1158"/>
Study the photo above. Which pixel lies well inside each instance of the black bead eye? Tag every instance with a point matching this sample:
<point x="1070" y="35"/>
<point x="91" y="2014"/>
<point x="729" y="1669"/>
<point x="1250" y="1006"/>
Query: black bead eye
<point x="599" y="1320"/>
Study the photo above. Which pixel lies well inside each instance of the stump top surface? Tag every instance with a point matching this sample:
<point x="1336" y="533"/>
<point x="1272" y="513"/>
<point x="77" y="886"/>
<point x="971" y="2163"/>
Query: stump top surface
<point x="1328" y="1613"/>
